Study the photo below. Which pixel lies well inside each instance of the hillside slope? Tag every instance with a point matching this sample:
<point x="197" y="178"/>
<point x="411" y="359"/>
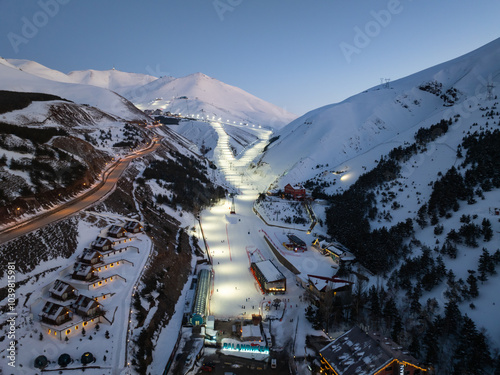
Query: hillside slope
<point x="204" y="96"/>
<point x="338" y="132"/>
<point x="410" y="179"/>
<point x="14" y="79"/>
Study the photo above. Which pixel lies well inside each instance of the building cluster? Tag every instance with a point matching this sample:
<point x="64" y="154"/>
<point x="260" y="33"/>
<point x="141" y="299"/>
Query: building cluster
<point x="67" y="310"/>
<point x="160" y="112"/>
<point x="338" y="252"/>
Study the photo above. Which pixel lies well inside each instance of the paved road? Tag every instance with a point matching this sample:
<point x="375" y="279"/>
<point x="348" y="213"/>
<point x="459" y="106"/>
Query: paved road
<point x="110" y="178"/>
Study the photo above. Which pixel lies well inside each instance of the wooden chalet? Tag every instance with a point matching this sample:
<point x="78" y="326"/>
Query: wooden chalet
<point x="116" y="231"/>
<point x="295" y="192"/>
<point x="85" y="272"/>
<point x="55" y="314"/>
<point x="86" y="307"/>
<point x="62" y="291"/>
<point x="90" y="256"/>
<point x="358" y="352"/>
<point x="102" y="244"/>
<point x="133" y="226"/>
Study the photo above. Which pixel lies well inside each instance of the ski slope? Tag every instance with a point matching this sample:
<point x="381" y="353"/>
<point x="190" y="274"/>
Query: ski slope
<point x="234" y="240"/>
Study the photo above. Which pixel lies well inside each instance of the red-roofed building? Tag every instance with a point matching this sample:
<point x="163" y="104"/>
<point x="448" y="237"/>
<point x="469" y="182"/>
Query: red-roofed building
<point x="297" y="192"/>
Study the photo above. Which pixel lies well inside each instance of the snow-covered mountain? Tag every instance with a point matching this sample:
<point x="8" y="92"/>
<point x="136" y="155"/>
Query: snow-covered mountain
<point x="416" y="142"/>
<point x="338" y="132"/>
<point x="114" y="80"/>
<point x="32" y="67"/>
<point x="202" y="95"/>
<point x="13" y="78"/>
<point x="195" y="94"/>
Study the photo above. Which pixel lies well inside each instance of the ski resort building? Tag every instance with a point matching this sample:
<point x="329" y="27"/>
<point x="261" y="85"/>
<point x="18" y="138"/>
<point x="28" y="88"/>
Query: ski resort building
<point x="368" y="353"/>
<point x="202" y="297"/>
<point x="270" y="279"/>
<point x="295" y="192"/>
<point x="295" y="243"/>
<point x="320" y="286"/>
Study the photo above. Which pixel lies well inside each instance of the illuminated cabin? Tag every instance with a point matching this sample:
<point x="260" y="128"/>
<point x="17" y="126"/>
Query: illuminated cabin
<point x="133" y="226"/>
<point x="116" y="231"/>
<point x="90" y="256"/>
<point x="62" y="291"/>
<point x="270" y="279"/>
<point x="55" y="314"/>
<point x="102" y="244"/>
<point x="86" y="307"/>
<point x="84" y="272"/>
<point x="202" y="297"/>
<point x="368" y="354"/>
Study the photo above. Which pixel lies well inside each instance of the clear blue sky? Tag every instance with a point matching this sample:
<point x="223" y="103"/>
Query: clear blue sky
<point x="298" y="54"/>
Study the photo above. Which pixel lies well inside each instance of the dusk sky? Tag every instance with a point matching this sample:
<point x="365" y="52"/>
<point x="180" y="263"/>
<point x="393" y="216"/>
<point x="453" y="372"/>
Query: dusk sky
<point x="297" y="54"/>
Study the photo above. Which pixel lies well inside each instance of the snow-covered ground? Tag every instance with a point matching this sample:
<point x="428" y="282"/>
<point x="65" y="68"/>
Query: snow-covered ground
<point x="235" y="239"/>
<point x="108" y="352"/>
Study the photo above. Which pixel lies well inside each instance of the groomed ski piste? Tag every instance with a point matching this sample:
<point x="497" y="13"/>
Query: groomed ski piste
<point x="235" y="240"/>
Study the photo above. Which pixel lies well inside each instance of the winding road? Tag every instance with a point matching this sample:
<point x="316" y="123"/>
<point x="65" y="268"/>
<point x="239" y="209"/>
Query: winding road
<point x="95" y="194"/>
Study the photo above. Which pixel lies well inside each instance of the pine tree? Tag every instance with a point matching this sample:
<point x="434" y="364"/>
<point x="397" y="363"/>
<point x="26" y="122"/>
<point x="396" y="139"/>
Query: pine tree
<point x="471" y="354"/>
<point x="390" y="311"/>
<point x="452" y="318"/>
<point x="374" y="303"/>
<point x="422" y="216"/>
<point x="397" y="327"/>
<point x="486" y="230"/>
<point x="414" y="347"/>
<point x="431" y="344"/>
<point x="472" y="281"/>
<point x="486" y="265"/>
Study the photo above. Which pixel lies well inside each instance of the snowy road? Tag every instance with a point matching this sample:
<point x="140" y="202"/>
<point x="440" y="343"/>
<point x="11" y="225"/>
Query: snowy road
<point x="95" y="194"/>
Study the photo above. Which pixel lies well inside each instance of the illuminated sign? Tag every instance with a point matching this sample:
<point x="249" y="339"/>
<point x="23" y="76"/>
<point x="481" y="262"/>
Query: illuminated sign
<point x="246" y="348"/>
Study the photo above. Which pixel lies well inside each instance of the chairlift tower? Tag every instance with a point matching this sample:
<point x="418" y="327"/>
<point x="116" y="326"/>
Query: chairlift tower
<point x="233" y="206"/>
